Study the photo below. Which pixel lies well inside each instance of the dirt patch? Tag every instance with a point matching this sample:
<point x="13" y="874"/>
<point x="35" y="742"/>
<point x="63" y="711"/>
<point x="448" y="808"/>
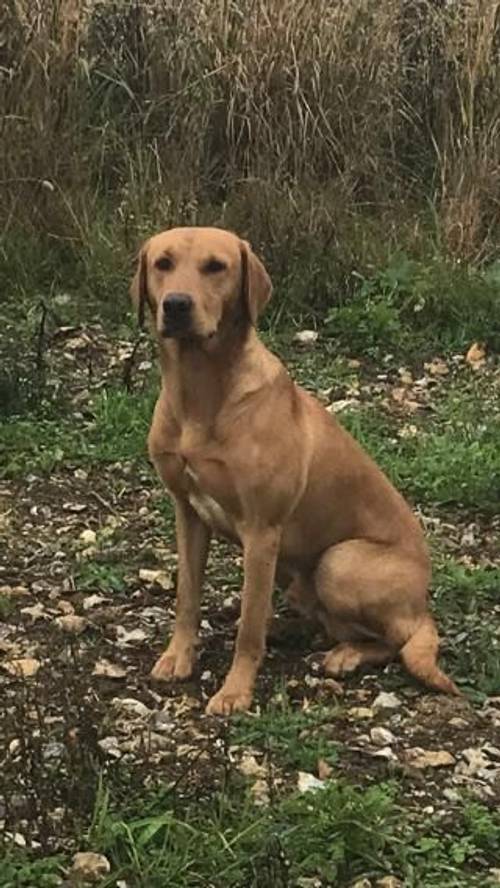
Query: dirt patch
<point x="91" y="705"/>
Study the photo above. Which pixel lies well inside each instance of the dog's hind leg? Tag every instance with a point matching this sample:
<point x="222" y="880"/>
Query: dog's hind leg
<point x="347" y="656"/>
<point x="374" y="597"/>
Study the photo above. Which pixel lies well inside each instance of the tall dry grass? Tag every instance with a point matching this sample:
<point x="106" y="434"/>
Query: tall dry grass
<point x="317" y="127"/>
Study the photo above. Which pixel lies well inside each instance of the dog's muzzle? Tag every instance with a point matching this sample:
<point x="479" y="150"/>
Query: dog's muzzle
<point x="177" y="314"/>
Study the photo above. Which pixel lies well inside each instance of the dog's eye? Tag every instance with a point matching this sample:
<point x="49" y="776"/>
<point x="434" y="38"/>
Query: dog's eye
<point x="213" y="266"/>
<point x="163" y="263"/>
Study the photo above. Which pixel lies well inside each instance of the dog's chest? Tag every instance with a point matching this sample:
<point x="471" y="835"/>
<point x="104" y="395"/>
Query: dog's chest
<point x="208" y="509"/>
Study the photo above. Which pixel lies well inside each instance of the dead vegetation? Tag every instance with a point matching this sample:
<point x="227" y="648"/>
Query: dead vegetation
<point x="259" y="112"/>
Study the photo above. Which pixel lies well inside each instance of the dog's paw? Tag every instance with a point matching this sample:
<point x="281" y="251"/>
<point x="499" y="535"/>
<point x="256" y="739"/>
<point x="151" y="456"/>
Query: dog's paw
<point x="342" y="659"/>
<point x="174" y="664"/>
<point x="225" y="702"/>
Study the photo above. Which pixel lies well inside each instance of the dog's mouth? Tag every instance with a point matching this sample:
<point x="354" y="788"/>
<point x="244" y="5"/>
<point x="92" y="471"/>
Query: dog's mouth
<point x="178" y="330"/>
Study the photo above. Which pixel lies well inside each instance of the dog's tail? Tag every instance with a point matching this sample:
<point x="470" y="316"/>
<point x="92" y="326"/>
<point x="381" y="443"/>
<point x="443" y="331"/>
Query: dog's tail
<point x="419" y="655"/>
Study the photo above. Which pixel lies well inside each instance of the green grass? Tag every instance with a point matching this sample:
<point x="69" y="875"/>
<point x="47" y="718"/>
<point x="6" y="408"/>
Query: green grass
<point x="412" y="307"/>
<point x="117" y="430"/>
<point x="291" y="737"/>
<point x="466" y="601"/>
<point x="336" y="834"/>
<point x="103" y="576"/>
<point x="454" y="459"/>
<point x="7" y="607"/>
<point x="343" y="832"/>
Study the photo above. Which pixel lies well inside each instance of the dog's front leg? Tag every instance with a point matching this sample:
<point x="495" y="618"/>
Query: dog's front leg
<point x="193" y="538"/>
<point x="260" y="553"/>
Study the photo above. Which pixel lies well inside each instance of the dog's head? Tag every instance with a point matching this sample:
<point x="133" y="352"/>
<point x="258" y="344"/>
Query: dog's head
<point x="194" y="280"/>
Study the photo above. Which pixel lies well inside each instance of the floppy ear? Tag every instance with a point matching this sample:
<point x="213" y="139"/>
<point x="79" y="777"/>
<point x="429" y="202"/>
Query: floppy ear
<point x="256" y="284"/>
<point x="139" y="286"/>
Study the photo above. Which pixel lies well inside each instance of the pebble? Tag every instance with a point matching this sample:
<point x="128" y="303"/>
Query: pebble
<point x="429" y="758"/>
<point x="386" y="700"/>
<point x="388" y="882"/>
<point x="130" y="706"/>
<point x="72" y="624"/>
<point x="361" y="712"/>
<point x="158" y="577"/>
<point x="306" y="337"/>
<point x="381" y="736"/>
<point x="110" y="746"/>
<point x="88" y="537"/>
<point x="109" y="670"/>
<point x="308" y="782"/>
<point x="25" y="667"/>
<point x="89" y="867"/>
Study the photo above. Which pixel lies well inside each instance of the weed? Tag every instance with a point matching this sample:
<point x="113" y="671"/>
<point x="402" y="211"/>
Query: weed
<point x="7" y="607"/>
<point x="18" y="870"/>
<point x="116" y="430"/>
<point x="420" y="307"/>
<point x="466" y="599"/>
<point x="290" y="736"/>
<point x="102" y="576"/>
<point x="335" y="835"/>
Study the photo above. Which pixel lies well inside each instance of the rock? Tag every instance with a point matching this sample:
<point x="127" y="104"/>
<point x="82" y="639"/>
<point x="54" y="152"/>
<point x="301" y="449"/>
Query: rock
<point x="72" y="624"/>
<point x="250" y="767"/>
<point x="342" y="404"/>
<point x="162" y="721"/>
<point x="475" y="764"/>
<point x="260" y="792"/>
<point x="89" y="867"/>
<point x="491" y="751"/>
<point x="132" y="636"/>
<point x="386" y="701"/>
<point x="408" y="431"/>
<point x="361" y="712"/>
<point x="40" y="586"/>
<point x="92" y="601"/>
<point x="429" y="758"/>
<point x="385" y="753"/>
<point x="65" y="606"/>
<point x="332" y="686"/>
<point x="388" y="882"/>
<point x="109" y="670"/>
<point x="36" y="612"/>
<point x="437" y="367"/>
<point x="308" y="782"/>
<point x="14" y="591"/>
<point x="88" y="537"/>
<point x="324" y="770"/>
<point x="476" y="356"/>
<point x="307" y="338"/>
<point x="156" y="577"/>
<point x="110" y="746"/>
<point x="381" y="736"/>
<point x="53" y="751"/>
<point x="131" y="707"/>
<point x="308" y="882"/>
<point x="74" y="507"/>
<point x="25" y="667"/>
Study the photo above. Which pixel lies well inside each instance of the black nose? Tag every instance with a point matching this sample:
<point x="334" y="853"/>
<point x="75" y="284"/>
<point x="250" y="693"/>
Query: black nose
<point x="176" y="306"/>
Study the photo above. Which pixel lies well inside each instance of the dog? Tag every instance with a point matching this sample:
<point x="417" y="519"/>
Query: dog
<point x="247" y="454"/>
